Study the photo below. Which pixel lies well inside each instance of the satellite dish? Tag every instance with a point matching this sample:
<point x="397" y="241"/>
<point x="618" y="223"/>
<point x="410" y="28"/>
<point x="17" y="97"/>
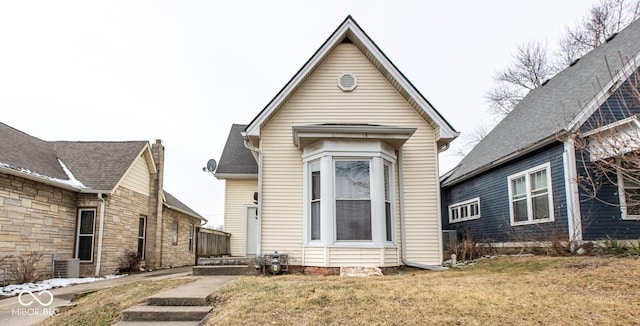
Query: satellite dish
<point x="211" y="165"/>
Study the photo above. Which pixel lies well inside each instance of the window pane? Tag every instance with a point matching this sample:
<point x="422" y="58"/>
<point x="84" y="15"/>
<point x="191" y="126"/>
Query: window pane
<point x="353" y="220"/>
<point x="386" y="183"/>
<point x="315" y="220"/>
<point x="540" y="207"/>
<point x="474" y="209"/>
<point x="518" y="188"/>
<point x="315" y="181"/>
<point x="141" y="248"/>
<point x="141" y="225"/>
<point x="85" y="244"/>
<point x="632" y="196"/>
<point x="352" y="179"/>
<point x="387" y="220"/>
<point x="538" y="180"/>
<point x="86" y="222"/>
<point x="520" y="210"/>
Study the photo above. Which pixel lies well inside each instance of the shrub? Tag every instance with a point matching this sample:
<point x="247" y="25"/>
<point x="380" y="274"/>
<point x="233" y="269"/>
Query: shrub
<point x="23" y="269"/>
<point x="129" y="262"/>
<point x="614" y="246"/>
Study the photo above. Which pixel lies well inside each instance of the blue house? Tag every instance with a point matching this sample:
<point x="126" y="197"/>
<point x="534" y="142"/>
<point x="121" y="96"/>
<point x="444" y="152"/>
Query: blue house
<point x="560" y="165"/>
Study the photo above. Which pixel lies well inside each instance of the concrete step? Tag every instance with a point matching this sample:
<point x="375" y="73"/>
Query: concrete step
<point x="225" y="270"/>
<point x="195" y="293"/>
<point x="164" y="313"/>
<point x="157" y="323"/>
<point x="205" y="261"/>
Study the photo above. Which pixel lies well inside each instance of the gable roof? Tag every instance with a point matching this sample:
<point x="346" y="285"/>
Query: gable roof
<point x="78" y="166"/>
<point x="98" y="165"/>
<point x="560" y="105"/>
<point x="350" y="30"/>
<point x="25" y="153"/>
<point x="175" y="204"/>
<point x="236" y="160"/>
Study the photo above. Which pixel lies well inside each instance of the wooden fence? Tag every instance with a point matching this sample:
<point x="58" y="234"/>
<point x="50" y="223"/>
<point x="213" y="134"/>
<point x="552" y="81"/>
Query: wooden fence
<point x="213" y="243"/>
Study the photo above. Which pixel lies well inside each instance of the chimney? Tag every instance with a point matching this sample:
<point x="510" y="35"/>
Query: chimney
<point x="157" y="150"/>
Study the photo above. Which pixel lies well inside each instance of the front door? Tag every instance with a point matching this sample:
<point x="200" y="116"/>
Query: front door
<point x="252" y="231"/>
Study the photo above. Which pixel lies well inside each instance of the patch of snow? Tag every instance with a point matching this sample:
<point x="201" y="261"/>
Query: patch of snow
<point x="11" y="290"/>
<point x="73" y="182"/>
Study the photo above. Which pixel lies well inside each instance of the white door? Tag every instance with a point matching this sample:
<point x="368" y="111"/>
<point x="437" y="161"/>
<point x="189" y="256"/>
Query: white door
<point x="252" y="230"/>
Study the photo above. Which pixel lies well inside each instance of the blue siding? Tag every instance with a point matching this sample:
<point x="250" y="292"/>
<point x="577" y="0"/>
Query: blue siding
<point x="492" y="188"/>
<point x="621" y="104"/>
<point x="602" y="217"/>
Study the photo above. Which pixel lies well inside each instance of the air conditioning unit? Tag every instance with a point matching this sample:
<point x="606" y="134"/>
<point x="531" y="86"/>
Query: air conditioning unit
<point x="66" y="268"/>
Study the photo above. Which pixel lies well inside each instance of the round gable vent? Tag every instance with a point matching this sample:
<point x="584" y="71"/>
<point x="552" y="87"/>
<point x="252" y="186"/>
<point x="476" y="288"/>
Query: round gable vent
<point x="347" y="82"/>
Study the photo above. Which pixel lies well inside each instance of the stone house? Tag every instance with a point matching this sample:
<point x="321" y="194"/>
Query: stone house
<point x="91" y="201"/>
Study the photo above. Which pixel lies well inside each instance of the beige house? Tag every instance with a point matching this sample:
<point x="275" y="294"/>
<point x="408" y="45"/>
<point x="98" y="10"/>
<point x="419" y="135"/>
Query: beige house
<point x="91" y="201"/>
<point x="341" y="167"/>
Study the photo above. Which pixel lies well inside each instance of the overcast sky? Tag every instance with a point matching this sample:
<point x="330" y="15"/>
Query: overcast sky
<point x="184" y="71"/>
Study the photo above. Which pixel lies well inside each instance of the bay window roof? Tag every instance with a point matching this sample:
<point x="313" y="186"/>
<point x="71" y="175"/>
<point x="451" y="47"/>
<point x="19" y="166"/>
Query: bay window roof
<point x="309" y="134"/>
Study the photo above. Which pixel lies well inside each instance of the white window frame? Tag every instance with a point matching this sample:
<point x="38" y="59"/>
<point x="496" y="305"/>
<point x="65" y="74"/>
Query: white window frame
<point x="92" y="235"/>
<point x="458" y="208"/>
<point x="370" y="198"/>
<point x="327" y="152"/>
<point x="623" y="200"/>
<point x="191" y="231"/>
<point x="143" y="237"/>
<point x="526" y="174"/>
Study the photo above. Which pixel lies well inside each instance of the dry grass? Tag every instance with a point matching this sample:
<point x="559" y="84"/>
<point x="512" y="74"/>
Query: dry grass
<point x="501" y="291"/>
<point x="104" y="307"/>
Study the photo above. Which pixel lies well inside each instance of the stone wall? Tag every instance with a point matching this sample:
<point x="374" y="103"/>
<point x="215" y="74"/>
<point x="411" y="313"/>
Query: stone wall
<point x="122" y="213"/>
<point x="178" y="254"/>
<point x="36" y="217"/>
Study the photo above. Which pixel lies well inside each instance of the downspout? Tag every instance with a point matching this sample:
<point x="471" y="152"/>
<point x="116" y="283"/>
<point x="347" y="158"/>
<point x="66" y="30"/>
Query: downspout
<point x="259" y="224"/>
<point x="100" y="234"/>
<point x="402" y="222"/>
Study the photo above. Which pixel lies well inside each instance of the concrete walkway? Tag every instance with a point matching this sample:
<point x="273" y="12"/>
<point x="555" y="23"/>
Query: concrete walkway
<point x="14" y="313"/>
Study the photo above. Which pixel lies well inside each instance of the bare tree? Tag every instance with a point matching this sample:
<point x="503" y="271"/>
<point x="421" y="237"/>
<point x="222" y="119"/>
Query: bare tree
<point x="603" y="21"/>
<point x="610" y="152"/>
<point x="532" y="64"/>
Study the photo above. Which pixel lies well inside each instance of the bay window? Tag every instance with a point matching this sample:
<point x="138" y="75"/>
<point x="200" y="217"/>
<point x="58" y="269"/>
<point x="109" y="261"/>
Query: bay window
<point x="349" y="197"/>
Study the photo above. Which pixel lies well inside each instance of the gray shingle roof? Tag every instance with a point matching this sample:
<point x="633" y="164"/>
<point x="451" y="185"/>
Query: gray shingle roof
<point x="547" y="110"/>
<point x="175" y="203"/>
<point x="20" y="151"/>
<point x="98" y="165"/>
<point x="235" y="158"/>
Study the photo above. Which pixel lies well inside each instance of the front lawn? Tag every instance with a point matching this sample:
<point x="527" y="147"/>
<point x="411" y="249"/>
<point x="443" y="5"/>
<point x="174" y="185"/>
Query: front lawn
<point x="499" y="291"/>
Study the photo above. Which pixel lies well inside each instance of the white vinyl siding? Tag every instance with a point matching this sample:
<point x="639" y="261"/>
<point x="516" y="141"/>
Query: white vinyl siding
<point x="138" y="178"/>
<point x="374" y="101"/>
<point x="238" y="195"/>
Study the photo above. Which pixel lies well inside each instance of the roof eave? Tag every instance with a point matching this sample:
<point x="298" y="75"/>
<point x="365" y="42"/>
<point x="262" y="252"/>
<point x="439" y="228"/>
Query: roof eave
<point x="184" y="212"/>
<point x="40" y="179"/>
<point x="504" y="159"/>
<point x="238" y="176"/>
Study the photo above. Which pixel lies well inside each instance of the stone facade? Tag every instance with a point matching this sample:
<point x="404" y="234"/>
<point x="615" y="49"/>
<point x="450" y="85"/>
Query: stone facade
<point x="178" y="253"/>
<point x="123" y="210"/>
<point x="36" y="217"/>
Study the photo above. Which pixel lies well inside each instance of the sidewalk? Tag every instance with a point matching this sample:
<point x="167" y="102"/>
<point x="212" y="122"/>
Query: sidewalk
<point x="14" y="313"/>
